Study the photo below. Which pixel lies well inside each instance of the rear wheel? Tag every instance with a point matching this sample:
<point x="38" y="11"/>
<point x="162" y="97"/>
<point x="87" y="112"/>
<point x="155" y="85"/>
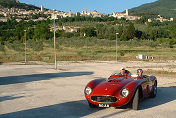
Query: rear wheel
<point x="91" y="105"/>
<point x="135" y="101"/>
<point x="154" y="92"/>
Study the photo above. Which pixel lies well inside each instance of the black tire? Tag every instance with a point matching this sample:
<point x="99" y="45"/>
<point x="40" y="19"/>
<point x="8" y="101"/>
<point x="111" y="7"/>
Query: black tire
<point x="91" y="105"/>
<point x="154" y="92"/>
<point x="135" y="101"/>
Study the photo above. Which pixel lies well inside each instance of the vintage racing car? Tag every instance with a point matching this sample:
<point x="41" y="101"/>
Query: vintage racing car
<point x="118" y="90"/>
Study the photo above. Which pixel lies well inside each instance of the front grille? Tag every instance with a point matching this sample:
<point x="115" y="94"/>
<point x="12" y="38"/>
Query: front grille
<point x="104" y="99"/>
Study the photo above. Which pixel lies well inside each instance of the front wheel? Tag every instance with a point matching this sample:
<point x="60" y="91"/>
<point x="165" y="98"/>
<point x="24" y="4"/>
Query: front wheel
<point x="135" y="101"/>
<point x="154" y="92"/>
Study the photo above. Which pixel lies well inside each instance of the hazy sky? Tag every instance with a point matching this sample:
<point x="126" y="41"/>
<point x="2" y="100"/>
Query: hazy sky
<point x="102" y="6"/>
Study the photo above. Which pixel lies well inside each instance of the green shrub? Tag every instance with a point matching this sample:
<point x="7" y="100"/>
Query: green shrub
<point x="16" y="45"/>
<point x="122" y="53"/>
<point x="80" y="53"/>
<point x="172" y="42"/>
<point x="35" y="45"/>
<point x="38" y="46"/>
<point x="2" y="48"/>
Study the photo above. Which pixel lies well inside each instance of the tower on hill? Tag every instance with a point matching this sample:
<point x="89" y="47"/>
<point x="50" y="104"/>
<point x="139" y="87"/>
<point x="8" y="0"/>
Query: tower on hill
<point x="127" y="12"/>
<point x="70" y="13"/>
<point x="41" y="8"/>
<point x="86" y="11"/>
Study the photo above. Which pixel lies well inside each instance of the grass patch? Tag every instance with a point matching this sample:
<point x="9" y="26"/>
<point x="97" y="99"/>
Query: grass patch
<point x="79" y="49"/>
<point x="35" y="45"/>
<point x="2" y="48"/>
<point x="16" y="46"/>
<point x="160" y="72"/>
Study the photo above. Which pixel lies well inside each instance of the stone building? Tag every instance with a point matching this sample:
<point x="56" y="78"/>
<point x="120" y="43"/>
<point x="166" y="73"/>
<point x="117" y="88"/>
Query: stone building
<point x="125" y="15"/>
<point x="92" y="14"/>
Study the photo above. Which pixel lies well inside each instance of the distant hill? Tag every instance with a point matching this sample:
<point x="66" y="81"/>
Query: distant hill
<point x="14" y="4"/>
<point x="166" y="8"/>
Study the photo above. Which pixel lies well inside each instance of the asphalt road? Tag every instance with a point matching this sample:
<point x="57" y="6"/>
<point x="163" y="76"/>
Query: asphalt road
<point x="39" y="91"/>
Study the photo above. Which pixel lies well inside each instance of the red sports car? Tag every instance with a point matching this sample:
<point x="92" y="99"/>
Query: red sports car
<point x="118" y="90"/>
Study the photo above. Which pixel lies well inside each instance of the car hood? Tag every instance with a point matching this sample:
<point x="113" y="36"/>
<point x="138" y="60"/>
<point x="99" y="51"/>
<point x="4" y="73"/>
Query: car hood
<point x="111" y="87"/>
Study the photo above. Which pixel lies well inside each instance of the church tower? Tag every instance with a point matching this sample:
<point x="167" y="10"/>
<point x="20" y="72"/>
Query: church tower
<point x="127" y="12"/>
<point x="70" y="13"/>
<point x="85" y="11"/>
<point x="41" y="8"/>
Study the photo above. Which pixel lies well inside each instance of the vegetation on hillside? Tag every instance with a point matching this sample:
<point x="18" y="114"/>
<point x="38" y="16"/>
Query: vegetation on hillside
<point x="12" y="4"/>
<point x="102" y="28"/>
<point x="95" y="39"/>
<point x="165" y="8"/>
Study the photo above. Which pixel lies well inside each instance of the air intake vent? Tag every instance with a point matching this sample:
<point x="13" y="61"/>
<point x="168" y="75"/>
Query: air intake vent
<point x="104" y="99"/>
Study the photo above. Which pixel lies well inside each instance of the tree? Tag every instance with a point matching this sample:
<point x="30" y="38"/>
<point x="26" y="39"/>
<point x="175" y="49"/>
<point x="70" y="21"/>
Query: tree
<point x="59" y="33"/>
<point x="120" y="30"/>
<point x="130" y="32"/>
<point x="112" y="37"/>
<point x="172" y="29"/>
<point x="138" y="34"/>
<point x="152" y="34"/>
<point x="101" y="29"/>
<point x="123" y="37"/>
<point x="42" y="31"/>
<point x="89" y="31"/>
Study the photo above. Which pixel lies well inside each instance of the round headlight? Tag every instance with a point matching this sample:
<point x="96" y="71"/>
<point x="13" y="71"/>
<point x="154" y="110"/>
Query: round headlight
<point x="124" y="92"/>
<point x="88" y="90"/>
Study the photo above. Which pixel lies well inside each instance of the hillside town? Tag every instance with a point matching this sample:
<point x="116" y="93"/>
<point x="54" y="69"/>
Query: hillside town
<point x="54" y="14"/>
<point x="44" y="14"/>
<point x="125" y="15"/>
<point x="160" y="19"/>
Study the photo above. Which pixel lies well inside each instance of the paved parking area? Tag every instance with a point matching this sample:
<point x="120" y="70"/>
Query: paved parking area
<point x="39" y="91"/>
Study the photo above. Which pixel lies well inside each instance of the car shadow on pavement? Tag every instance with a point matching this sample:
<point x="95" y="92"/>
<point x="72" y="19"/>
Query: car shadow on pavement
<point x="4" y="98"/>
<point x="37" y="77"/>
<point x="164" y="95"/>
<point x="73" y="109"/>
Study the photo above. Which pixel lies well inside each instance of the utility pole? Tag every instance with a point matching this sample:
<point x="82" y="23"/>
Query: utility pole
<point x="55" y="43"/>
<point x="25" y="46"/>
<point x="116" y="45"/>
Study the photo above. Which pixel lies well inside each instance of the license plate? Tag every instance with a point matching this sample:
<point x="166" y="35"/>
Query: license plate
<point x="104" y="105"/>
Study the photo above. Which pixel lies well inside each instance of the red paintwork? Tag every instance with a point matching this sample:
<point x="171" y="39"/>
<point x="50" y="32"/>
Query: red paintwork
<point x="113" y="88"/>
